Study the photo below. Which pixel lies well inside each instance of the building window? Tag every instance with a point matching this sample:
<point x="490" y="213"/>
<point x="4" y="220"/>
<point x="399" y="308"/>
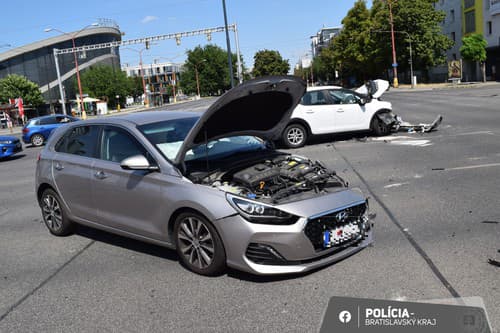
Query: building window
<point x="454" y="56"/>
<point x="470" y="21"/>
<point x="468" y="3"/>
<point x="452" y="15"/>
<point x="489" y="27"/>
<point x="453" y="36"/>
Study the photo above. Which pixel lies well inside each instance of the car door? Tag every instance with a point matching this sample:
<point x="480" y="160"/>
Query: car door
<point x="349" y="113"/>
<point x="128" y="200"/>
<point x="47" y="125"/>
<point x="72" y="169"/>
<point x="317" y="108"/>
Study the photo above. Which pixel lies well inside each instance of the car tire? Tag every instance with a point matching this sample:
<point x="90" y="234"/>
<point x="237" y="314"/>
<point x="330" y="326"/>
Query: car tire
<point x="294" y="136"/>
<point x="37" y="140"/>
<point x="54" y="214"/>
<point x="378" y="127"/>
<point x="198" y="244"/>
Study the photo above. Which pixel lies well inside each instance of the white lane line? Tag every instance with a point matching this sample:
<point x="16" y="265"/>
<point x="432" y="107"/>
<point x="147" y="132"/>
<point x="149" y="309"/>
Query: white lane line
<point x="475" y="166"/>
<point x="419" y="143"/>
<point x="476" y="133"/>
<point x="395" y="185"/>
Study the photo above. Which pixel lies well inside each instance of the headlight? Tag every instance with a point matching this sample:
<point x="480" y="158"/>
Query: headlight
<point x="257" y="212"/>
<point x="6" y="142"/>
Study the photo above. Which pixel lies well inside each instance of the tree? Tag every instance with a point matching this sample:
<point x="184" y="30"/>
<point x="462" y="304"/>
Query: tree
<point x="105" y="82"/>
<point x="210" y="62"/>
<point x="474" y="49"/>
<point x="135" y="84"/>
<point x="14" y="86"/>
<point x="422" y="22"/>
<point x="353" y="47"/>
<point x="268" y="62"/>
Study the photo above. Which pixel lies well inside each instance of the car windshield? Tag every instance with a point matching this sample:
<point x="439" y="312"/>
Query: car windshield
<point x="167" y="136"/>
<point x="225" y="147"/>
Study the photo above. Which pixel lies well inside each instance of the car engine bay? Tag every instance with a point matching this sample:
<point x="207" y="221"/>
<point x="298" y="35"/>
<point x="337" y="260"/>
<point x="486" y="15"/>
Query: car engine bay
<point x="282" y="178"/>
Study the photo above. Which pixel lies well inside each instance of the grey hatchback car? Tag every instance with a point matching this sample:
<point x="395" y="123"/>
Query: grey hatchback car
<point x="209" y="185"/>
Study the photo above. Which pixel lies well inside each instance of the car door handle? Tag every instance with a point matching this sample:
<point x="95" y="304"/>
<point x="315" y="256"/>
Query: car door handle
<point x="309" y="111"/>
<point x="100" y="175"/>
<point x="58" y="166"/>
<point x="340" y="110"/>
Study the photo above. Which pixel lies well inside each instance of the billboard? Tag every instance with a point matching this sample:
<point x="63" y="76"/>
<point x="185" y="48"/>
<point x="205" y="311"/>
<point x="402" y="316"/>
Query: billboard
<point x="455" y="69"/>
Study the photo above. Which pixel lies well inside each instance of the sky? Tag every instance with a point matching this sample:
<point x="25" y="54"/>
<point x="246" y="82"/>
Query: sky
<point x="282" y="25"/>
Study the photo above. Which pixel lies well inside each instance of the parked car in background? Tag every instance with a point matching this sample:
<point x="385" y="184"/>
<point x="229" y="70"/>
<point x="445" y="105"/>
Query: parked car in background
<point x="209" y="185"/>
<point x="37" y="130"/>
<point x="9" y="145"/>
<point x="333" y="109"/>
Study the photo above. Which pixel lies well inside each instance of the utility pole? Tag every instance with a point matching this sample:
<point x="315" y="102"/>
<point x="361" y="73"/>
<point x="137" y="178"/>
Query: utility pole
<point x="394" y="61"/>
<point x="229" y="58"/>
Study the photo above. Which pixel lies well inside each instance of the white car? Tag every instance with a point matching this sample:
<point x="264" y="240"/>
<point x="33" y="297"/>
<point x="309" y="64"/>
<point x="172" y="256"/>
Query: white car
<point x="333" y="109"/>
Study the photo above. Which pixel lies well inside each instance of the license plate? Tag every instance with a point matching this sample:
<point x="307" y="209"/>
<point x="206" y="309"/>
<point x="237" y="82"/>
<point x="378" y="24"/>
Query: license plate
<point x="340" y="234"/>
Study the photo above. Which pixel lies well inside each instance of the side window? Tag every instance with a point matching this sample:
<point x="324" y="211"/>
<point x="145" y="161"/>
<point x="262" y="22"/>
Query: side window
<point x="81" y="140"/>
<point x="48" y="121"/>
<point x="336" y="96"/>
<point x="63" y="119"/>
<point x="117" y="145"/>
<point x="314" y="98"/>
<point x="344" y="96"/>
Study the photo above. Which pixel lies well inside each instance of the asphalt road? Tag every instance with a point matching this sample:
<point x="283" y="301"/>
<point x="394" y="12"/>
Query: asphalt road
<point x="436" y="197"/>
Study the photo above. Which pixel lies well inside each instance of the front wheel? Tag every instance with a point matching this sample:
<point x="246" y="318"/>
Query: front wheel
<point x="294" y="136"/>
<point x="198" y="244"/>
<point x="54" y="215"/>
<point x="37" y="140"/>
<point x="378" y="127"/>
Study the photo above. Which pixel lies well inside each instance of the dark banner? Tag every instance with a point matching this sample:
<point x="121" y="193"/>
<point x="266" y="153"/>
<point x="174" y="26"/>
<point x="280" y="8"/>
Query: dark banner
<point x="345" y="314"/>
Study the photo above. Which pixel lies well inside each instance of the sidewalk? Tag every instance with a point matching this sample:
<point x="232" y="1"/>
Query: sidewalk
<point x="447" y="85"/>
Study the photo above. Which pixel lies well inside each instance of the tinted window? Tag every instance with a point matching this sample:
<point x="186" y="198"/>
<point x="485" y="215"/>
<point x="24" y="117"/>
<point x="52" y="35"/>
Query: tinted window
<point x="344" y="96"/>
<point x="117" y="145"/>
<point x="63" y="119"/>
<point x="80" y="141"/>
<point x="47" y="121"/>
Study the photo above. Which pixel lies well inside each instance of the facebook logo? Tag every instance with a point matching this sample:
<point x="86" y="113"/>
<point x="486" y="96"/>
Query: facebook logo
<point x="345" y="317"/>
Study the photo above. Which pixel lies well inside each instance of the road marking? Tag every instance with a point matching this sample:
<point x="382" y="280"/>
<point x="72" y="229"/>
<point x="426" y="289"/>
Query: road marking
<point x="395" y="185"/>
<point x="417" y="143"/>
<point x="474" y="166"/>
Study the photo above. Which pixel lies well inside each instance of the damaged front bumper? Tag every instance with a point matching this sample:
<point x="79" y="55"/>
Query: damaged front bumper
<point x="396" y="123"/>
<point x="308" y="244"/>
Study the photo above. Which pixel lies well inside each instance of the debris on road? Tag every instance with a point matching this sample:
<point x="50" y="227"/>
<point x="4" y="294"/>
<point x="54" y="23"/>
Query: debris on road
<point x="494" y="262"/>
<point x="405" y="126"/>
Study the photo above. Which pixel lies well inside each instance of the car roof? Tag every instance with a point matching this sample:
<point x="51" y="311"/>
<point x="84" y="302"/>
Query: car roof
<point x="51" y="115"/>
<point x="322" y="88"/>
<point x="146" y="117"/>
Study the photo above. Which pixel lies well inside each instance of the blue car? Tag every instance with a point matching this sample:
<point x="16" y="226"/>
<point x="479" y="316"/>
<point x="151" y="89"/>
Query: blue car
<point x="38" y="130"/>
<point x="9" y="145"/>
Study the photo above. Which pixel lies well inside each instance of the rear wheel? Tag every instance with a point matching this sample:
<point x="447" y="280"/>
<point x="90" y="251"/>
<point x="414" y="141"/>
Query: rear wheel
<point x="294" y="136"/>
<point x="37" y="140"/>
<point x="54" y="215"/>
<point x="378" y="127"/>
<point x="198" y="244"/>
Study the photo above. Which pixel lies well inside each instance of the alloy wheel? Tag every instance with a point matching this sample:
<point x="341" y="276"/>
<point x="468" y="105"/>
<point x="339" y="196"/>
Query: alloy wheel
<point x="52" y="213"/>
<point x="195" y="242"/>
<point x="295" y="136"/>
<point x="37" y="140"/>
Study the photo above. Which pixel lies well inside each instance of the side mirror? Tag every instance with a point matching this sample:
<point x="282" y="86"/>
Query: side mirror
<point x="137" y="162"/>
<point x="361" y="101"/>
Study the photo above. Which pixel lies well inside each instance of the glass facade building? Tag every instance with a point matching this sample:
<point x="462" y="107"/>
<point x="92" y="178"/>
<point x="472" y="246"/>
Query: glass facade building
<point x="36" y="61"/>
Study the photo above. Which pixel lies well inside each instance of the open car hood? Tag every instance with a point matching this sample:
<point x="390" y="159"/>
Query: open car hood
<point x="374" y="88"/>
<point x="259" y="107"/>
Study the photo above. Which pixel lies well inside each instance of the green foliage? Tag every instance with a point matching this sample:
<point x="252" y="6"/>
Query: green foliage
<point x="363" y="48"/>
<point x="135" y="84"/>
<point x="105" y="82"/>
<point x="269" y="62"/>
<point x="474" y="47"/>
<point x="211" y="63"/>
<point x="14" y="86"/>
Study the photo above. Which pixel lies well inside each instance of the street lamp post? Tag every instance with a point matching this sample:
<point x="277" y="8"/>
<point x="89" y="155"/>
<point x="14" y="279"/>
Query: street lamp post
<point x="146" y="100"/>
<point x="73" y="36"/>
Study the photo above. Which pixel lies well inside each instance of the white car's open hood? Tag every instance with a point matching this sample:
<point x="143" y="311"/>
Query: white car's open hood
<point x="374" y="88"/>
